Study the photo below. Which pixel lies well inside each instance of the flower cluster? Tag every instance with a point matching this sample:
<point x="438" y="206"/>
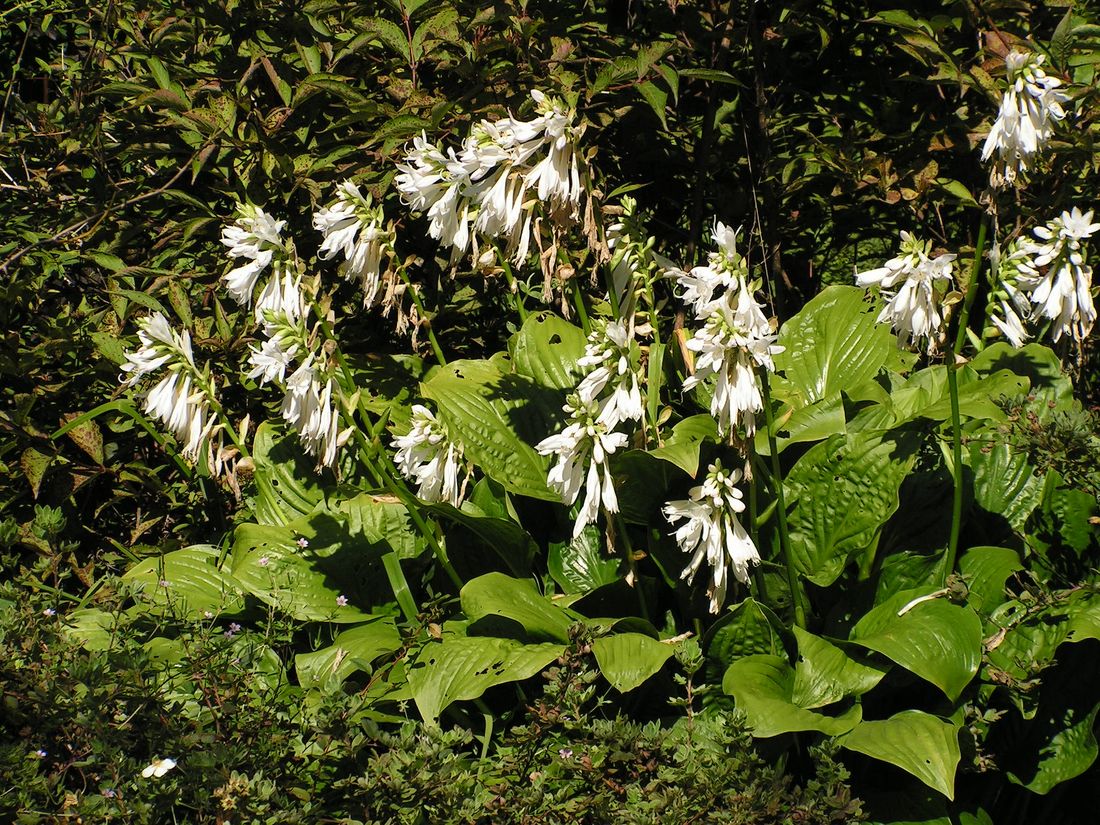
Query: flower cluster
<point x="913" y="284"/>
<point x="427" y="456"/>
<point x="354" y="228"/>
<point x="491" y="186"/>
<point x="583" y="450"/>
<point x="181" y="400"/>
<point x="735" y="338"/>
<point x="712" y="532"/>
<point x="1051" y="271"/>
<point x="256" y="237"/>
<point x="1030" y="107"/>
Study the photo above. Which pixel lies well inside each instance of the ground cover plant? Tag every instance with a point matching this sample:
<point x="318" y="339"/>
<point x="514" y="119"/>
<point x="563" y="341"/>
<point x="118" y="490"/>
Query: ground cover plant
<point x="477" y="412"/>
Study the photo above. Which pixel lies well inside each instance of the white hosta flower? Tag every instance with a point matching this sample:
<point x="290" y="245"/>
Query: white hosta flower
<point x="712" y="533"/>
<point x="725" y="270"/>
<point x="731" y="346"/>
<point x="1055" y="274"/>
<point x="427" y="456"/>
<point x="556" y="177"/>
<point x="354" y="228"/>
<point x="270" y="361"/>
<point x="254" y="236"/>
<point x="607" y="357"/>
<point x="309" y="408"/>
<point x="583" y="449"/>
<point x="912" y="284"/>
<point x="281" y="296"/>
<point x="181" y="399"/>
<point x="433" y="182"/>
<point x="1025" y="124"/>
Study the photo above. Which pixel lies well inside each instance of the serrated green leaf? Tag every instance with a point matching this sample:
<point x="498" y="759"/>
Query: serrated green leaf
<point x="459" y="668"/>
<point x="939" y="641"/>
<point x="657" y="99"/>
<point x="34" y="465"/>
<point x="109" y="347"/>
<point x="627" y="660"/>
<point x="762" y="686"/>
<point x="924" y="745"/>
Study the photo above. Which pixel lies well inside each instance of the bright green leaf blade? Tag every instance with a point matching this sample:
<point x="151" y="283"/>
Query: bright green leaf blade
<point x="495" y="594"/>
<point x="762" y="687"/>
<point x="496" y="417"/>
<point x="506" y="538"/>
<point x="464" y="668"/>
<point x="287" y="485"/>
<point x="1005" y="484"/>
<point x="546" y="348"/>
<point x="985" y="570"/>
<point x="579" y="565"/>
<point x="845" y="489"/>
<point x="939" y="641"/>
<point x="628" y="659"/>
<point x="187" y="582"/>
<point x="923" y="745"/>
<point x="832" y="344"/>
<point x="824" y="674"/>
<point x="749" y="627"/>
<point x="351" y="650"/>
<point x="682" y="447"/>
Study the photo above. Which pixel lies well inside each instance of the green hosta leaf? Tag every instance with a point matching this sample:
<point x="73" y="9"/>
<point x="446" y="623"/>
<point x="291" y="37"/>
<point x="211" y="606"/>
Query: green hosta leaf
<point x="187" y="582"/>
<point x="546" y="349"/>
<point x="925" y="395"/>
<point x="460" y="668"/>
<point x="686" y="440"/>
<point x="287" y="484"/>
<point x="845" y="489"/>
<point x="495" y="594"/>
<point x="986" y="569"/>
<point x="353" y="649"/>
<point x="763" y="686"/>
<point x="628" y="659"/>
<point x="924" y="745"/>
<point x="1005" y="484"/>
<point x="506" y="538"/>
<point x="1083" y="613"/>
<point x="580" y="565"/>
<point x="824" y="674"/>
<point x="831" y="345"/>
<point x="496" y="417"/>
<point x="748" y="628"/>
<point x="642" y="486"/>
<point x="1069" y="752"/>
<point x="92" y="627"/>
<point x="1034" y="361"/>
<point x="938" y="641"/>
<point x="798" y="425"/>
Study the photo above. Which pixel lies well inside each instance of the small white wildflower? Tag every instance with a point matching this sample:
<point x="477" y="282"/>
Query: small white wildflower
<point x="711" y="532"/>
<point x="158" y="768"/>
<point x="342" y="601"/>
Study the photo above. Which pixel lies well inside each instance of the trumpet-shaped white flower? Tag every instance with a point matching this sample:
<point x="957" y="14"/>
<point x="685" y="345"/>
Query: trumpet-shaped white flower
<point x="1025" y="124"/>
<point x="911" y="284"/>
<point x="427" y="456"/>
<point x="181" y="399"/>
<point x="583" y="450"/>
<point x="433" y="182"/>
<point x="607" y="357"/>
<point x="309" y="408"/>
<point x="354" y="228"/>
<point x="270" y="361"/>
<point x="730" y="346"/>
<point x="726" y="269"/>
<point x="1054" y="273"/>
<point x="712" y="533"/>
<point x="281" y="296"/>
<point x="254" y="236"/>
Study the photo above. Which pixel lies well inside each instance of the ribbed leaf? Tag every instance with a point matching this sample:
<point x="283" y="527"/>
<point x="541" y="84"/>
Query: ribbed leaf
<point x="518" y="600"/>
<point x="939" y="641"/>
<point x="460" y="668"/>
<point x="986" y="569"/>
<point x="546" y="348"/>
<point x="924" y="745"/>
<point x="353" y="649"/>
<point x="1005" y="484"/>
<point x="187" y="582"/>
<point x="825" y="674"/>
<point x="287" y="484"/>
<point x="628" y="659"/>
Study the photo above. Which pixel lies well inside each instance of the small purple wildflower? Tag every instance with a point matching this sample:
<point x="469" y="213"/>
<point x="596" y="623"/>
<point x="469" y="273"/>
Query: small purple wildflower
<point x="206" y="614"/>
<point x="302" y="542"/>
<point x="110" y="793"/>
<point x="342" y="601"/>
<point x="264" y="561"/>
<point x="164" y="582"/>
<point x="41" y="754"/>
<point x="234" y="629"/>
<point x="566" y="753"/>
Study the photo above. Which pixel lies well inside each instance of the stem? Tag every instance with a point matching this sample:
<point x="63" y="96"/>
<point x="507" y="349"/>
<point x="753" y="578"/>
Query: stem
<point x="781" y="507"/>
<point x="953" y="392"/>
<point x="578" y="301"/>
<point x="415" y="293"/>
<point x="629" y="547"/>
<point x="513" y="285"/>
